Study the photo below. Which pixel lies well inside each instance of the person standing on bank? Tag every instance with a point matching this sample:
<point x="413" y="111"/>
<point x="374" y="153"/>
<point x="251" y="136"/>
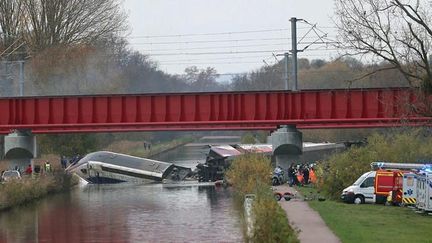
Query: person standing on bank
<point x="29" y="170"/>
<point x="291" y="175"/>
<point x="47" y="167"/>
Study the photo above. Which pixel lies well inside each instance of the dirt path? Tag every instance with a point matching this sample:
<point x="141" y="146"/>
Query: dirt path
<point x="308" y="221"/>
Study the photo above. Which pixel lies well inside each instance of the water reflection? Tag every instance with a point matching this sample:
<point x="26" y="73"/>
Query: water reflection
<point x="127" y="213"/>
<point x="184" y="212"/>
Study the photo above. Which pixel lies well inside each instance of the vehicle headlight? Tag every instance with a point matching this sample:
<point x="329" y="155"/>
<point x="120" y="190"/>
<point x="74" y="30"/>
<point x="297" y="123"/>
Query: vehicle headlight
<point x="348" y="191"/>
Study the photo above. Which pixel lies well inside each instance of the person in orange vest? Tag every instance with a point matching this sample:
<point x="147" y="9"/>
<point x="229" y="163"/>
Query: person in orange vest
<point x="312" y="176"/>
<point x="300" y="175"/>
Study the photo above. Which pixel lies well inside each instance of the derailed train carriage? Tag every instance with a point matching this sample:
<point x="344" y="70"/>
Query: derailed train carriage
<point x="108" y="167"/>
<point x="220" y="157"/>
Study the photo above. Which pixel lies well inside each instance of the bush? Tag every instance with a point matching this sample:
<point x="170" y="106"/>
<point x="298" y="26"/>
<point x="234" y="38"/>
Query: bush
<point x="341" y="170"/>
<point x="27" y="189"/>
<point x="250" y="173"/>
<point x="271" y="222"/>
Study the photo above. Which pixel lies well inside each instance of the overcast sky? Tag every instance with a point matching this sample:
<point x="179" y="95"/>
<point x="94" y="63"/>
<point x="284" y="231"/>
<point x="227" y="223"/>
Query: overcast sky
<point x="170" y="31"/>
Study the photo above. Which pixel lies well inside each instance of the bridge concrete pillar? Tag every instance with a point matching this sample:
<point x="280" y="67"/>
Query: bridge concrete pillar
<point x="20" y="148"/>
<point x="287" y="144"/>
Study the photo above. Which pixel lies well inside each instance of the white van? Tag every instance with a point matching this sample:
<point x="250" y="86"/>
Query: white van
<point x="10" y="175"/>
<point x="362" y="191"/>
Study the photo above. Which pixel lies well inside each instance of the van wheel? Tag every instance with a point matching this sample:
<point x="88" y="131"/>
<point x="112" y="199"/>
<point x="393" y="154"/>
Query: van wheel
<point x="359" y="199"/>
<point x="277" y="196"/>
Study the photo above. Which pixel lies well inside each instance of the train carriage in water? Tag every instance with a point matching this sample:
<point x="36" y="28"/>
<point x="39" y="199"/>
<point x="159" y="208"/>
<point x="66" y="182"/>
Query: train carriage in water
<point x="108" y="167"/>
<point x="220" y="157"/>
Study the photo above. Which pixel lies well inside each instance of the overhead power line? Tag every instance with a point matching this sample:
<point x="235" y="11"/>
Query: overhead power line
<point x="211" y="63"/>
<point x="219" y="33"/>
<point x="233" y="58"/>
<point x="277" y="72"/>
<point x="213" y="53"/>
<point x="214" y="58"/>
<point x="207" y="34"/>
<point x="217" y="47"/>
<point x="231" y="46"/>
<point x="212" y="41"/>
<point x="227" y="52"/>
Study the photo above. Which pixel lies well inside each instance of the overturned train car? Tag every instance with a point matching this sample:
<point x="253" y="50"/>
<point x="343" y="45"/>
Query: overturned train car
<point x="108" y="167"/>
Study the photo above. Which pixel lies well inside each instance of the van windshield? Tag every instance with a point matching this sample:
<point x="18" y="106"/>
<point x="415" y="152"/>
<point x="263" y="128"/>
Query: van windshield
<point x="360" y="180"/>
<point x="11" y="174"/>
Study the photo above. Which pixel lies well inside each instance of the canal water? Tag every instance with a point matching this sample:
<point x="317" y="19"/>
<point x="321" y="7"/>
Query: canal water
<point x="183" y="212"/>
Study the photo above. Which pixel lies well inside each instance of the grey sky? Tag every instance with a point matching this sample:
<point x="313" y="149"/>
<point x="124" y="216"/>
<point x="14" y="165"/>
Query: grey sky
<point x="182" y="17"/>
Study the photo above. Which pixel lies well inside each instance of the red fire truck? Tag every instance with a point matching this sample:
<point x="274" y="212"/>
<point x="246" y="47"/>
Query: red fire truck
<point x="395" y="183"/>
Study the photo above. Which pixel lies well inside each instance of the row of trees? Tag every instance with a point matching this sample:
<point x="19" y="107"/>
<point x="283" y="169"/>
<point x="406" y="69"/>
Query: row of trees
<point x="57" y="39"/>
<point x="342" y="73"/>
<point x="77" y="45"/>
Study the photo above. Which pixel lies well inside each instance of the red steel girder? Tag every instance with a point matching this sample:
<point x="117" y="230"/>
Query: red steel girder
<point x="211" y="111"/>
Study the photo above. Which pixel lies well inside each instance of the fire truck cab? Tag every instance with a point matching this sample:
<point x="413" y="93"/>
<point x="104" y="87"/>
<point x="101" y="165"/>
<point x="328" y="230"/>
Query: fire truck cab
<point x="389" y="183"/>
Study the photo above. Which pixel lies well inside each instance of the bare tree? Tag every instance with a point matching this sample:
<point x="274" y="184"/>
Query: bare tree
<point x="54" y="22"/>
<point x="395" y="31"/>
<point x="10" y="14"/>
<point x="202" y="79"/>
<point x="9" y="17"/>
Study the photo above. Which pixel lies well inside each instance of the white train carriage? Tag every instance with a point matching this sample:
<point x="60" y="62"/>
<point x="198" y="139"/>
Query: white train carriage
<point x="108" y="167"/>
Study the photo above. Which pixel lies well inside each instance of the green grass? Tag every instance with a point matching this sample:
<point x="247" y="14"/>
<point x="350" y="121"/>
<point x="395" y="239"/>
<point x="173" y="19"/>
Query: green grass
<point x="372" y="223"/>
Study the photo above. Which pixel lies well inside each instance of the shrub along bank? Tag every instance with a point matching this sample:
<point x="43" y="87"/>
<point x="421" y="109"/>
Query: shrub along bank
<point x="341" y="170"/>
<point x="250" y="174"/>
<point x="27" y="189"/>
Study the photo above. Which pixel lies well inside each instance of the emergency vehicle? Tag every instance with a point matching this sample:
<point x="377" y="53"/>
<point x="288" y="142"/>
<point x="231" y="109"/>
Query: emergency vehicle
<point x="424" y="190"/>
<point x="409" y="189"/>
<point x="388" y="183"/>
<point x="391" y="182"/>
<point x="397" y="182"/>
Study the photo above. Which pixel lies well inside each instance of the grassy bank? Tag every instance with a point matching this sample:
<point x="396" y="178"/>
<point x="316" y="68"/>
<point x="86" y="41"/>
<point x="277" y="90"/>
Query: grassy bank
<point x="27" y="189"/>
<point x="249" y="174"/>
<point x="372" y="223"/>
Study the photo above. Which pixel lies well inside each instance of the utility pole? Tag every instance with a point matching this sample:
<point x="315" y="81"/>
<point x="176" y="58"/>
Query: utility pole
<point x="286" y="54"/>
<point x="21" y="78"/>
<point x="294" y="51"/>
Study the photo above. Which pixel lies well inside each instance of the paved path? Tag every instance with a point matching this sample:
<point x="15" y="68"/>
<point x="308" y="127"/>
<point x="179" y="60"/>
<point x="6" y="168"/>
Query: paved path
<point x="308" y="221"/>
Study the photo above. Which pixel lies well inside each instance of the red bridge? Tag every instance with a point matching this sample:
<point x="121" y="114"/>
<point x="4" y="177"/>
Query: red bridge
<point x="353" y="108"/>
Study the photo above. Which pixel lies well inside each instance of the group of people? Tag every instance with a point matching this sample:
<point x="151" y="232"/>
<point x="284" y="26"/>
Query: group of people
<point x="147" y="145"/>
<point x="29" y="170"/>
<point x="46" y="167"/>
<point x="64" y="160"/>
<point x="301" y="174"/>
